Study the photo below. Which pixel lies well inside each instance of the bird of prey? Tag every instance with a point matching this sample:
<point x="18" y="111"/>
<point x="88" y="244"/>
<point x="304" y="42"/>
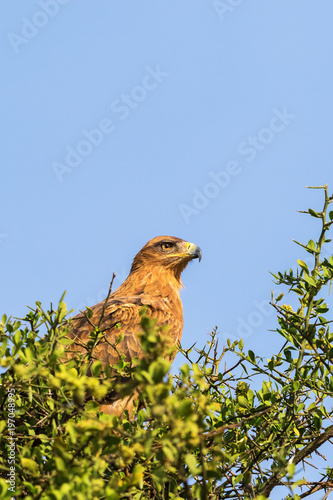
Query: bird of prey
<point x="154" y="282"/>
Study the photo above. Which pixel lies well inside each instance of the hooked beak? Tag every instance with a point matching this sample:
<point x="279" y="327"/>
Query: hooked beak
<point x="193" y="251"/>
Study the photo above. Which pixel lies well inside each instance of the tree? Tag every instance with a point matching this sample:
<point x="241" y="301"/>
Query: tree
<point x="203" y="433"/>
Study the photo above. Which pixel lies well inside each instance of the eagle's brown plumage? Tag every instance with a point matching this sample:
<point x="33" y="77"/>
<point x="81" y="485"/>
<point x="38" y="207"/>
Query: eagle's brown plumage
<point x="154" y="282"/>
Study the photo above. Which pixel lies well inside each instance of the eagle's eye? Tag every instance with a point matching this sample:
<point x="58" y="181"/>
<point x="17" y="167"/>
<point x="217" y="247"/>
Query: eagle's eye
<point x="166" y="246"/>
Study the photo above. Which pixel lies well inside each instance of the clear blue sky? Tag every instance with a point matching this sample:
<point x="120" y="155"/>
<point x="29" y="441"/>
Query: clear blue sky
<point x="126" y="120"/>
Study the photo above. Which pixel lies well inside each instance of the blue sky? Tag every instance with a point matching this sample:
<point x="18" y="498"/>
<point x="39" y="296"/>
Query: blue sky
<point x="127" y="120"/>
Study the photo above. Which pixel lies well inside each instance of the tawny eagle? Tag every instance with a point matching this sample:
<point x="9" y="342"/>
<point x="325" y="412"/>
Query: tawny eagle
<point x="154" y="281"/>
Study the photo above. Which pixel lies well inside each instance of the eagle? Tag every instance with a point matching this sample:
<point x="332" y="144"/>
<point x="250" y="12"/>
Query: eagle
<point x="154" y="284"/>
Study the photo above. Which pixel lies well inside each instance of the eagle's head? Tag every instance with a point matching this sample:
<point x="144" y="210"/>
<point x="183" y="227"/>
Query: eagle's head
<point x="166" y="252"/>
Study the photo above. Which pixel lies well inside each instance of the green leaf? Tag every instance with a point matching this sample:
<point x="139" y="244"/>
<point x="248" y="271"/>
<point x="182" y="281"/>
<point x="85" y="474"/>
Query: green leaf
<point x="185" y="408"/>
<point x="288" y="355"/>
<point x="111" y="494"/>
<point x="251" y="356"/>
<point x="89" y="312"/>
<point x="330" y="214"/>
<point x="291" y="470"/>
<point x="185" y="370"/>
<point x="29" y="464"/>
<point x="311" y="245"/>
<point x="60" y="464"/>
<point x="137" y="475"/>
<point x="198" y="492"/>
<point x="327" y="272"/>
<point x="17" y="337"/>
<point x="158" y="369"/>
<point x="72" y="431"/>
<point x="91" y="406"/>
<point x="303" y="265"/>
<point x="309" y="280"/>
<point x="322" y="309"/>
<point x="62" y="311"/>
<point x="191" y="462"/>
<point x="317" y="422"/>
<point x="313" y="213"/>
<point x="96" y="368"/>
<point x="250" y="396"/>
<point x="238" y="478"/>
<point x="29" y="355"/>
<point x="141" y="416"/>
<point x="65" y="341"/>
<point x="243" y="401"/>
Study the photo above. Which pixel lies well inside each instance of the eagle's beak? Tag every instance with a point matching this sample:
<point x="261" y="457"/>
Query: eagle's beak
<point x="194" y="251"/>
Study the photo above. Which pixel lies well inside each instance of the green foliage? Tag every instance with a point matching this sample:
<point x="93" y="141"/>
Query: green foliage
<point x="203" y="433"/>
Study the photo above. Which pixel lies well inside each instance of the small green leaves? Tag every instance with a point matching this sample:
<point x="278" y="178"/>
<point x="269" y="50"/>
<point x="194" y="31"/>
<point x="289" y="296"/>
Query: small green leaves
<point x="227" y="424"/>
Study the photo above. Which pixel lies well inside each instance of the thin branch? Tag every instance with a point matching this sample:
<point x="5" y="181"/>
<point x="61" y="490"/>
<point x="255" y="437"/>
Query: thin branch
<point x="299" y="456"/>
<point x="106" y="300"/>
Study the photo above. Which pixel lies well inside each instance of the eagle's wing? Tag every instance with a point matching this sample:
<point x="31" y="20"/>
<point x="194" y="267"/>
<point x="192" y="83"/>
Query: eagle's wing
<point x="122" y="317"/>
